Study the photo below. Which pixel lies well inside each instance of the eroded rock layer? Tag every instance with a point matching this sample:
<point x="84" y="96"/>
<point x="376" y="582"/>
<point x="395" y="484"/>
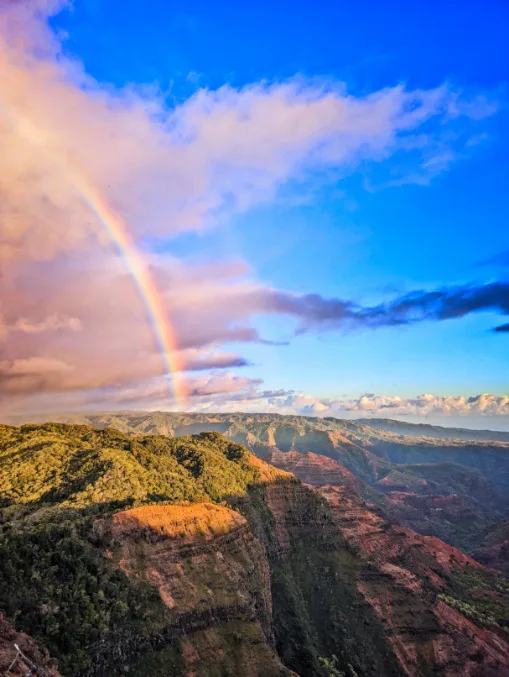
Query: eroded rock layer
<point x="418" y="585"/>
<point x="213" y="576"/>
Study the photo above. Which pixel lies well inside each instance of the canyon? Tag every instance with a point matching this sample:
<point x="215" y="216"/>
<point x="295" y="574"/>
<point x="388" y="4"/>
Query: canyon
<point x="188" y="555"/>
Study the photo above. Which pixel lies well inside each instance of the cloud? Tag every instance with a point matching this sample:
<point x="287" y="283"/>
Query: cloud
<point x="370" y="405"/>
<point x="72" y="324"/>
<point x="32" y="374"/>
<point x="427" y="404"/>
<point x="196" y="360"/>
<point x="214" y="384"/>
<point x="99" y="326"/>
<point x="170" y="169"/>
<point x="445" y="304"/>
<point x="316" y="312"/>
<point x="500" y="260"/>
<point x="51" y="323"/>
<point x="224" y="391"/>
<point x="204" y="390"/>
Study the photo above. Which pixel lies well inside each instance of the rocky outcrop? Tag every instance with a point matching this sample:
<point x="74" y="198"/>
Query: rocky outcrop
<point x="381" y="598"/>
<point x="214" y="579"/>
<point x="19" y="654"/>
<point x="318" y="612"/>
<point x="300" y="577"/>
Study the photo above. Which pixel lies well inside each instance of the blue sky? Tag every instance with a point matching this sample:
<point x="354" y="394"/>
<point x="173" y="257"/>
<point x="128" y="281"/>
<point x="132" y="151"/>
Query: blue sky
<point x="392" y="183"/>
<point x="357" y="238"/>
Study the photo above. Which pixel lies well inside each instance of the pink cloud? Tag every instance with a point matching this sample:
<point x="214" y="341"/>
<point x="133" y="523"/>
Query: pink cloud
<point x="51" y="323"/>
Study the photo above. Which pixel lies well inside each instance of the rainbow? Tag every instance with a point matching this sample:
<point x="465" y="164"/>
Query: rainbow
<point x="119" y="235"/>
<point x="147" y="289"/>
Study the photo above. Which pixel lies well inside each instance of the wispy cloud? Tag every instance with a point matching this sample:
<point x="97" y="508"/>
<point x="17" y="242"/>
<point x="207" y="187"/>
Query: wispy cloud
<point x="168" y="169"/>
<point x="314" y="312"/>
<point x="225" y="391"/>
<point x="499" y="260"/>
<point x="51" y="323"/>
<point x="441" y="304"/>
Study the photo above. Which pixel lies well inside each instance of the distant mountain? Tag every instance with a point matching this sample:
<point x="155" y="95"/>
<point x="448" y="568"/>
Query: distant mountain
<point x="165" y="418"/>
<point x="427" y="430"/>
<point x="136" y="555"/>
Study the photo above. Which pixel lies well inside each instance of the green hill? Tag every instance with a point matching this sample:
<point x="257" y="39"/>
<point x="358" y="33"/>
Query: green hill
<point x="55" y="482"/>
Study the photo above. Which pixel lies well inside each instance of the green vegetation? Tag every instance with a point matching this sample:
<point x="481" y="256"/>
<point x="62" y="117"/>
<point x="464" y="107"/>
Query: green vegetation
<point x="481" y="595"/>
<point x="497" y="534"/>
<point x="470" y="612"/>
<point x="56" y="585"/>
<point x="330" y="665"/>
<point x="79" y="466"/>
<point x="60" y="579"/>
<point x="56" y="581"/>
<point x="234" y="646"/>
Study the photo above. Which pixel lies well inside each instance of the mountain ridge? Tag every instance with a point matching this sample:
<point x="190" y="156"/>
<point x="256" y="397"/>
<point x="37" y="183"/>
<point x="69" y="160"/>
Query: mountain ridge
<point x="387" y="424"/>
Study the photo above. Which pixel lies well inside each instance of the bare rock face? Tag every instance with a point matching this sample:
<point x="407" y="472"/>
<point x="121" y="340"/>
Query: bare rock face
<point x="18" y="664"/>
<point x="315" y="469"/>
<point x="305" y="574"/>
<point x="451" y="502"/>
<point x="410" y="584"/>
<point x="213" y="577"/>
<point x="319" y="615"/>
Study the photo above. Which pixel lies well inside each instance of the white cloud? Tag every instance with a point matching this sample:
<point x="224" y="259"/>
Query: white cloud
<point x="369" y="405"/>
<point x="168" y="169"/>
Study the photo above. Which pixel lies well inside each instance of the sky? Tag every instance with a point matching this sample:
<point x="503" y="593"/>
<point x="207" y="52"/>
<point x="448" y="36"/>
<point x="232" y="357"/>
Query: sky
<point x="317" y="192"/>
